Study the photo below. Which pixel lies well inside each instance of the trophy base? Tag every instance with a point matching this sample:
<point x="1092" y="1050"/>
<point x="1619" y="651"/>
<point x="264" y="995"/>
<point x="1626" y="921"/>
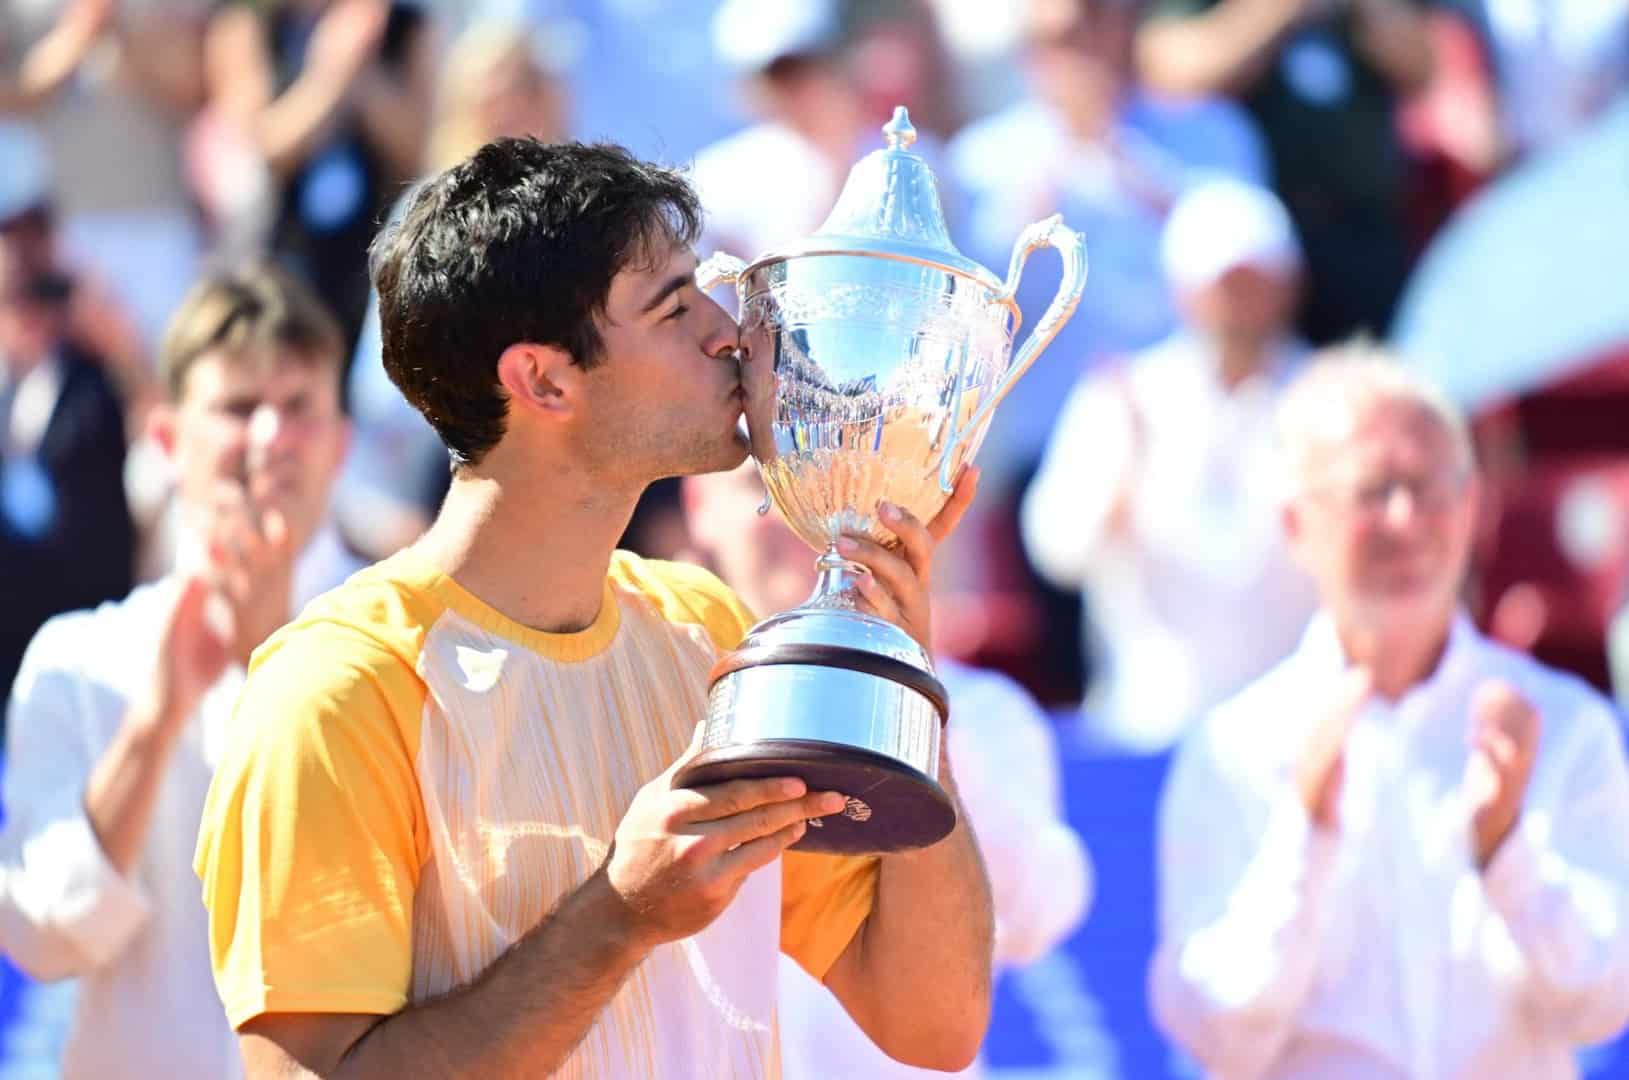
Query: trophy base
<point x="892" y="807"/>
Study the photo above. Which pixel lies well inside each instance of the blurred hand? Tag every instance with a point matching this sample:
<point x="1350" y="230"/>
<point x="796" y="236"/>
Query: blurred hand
<point x="251" y="556"/>
<point x="897" y="589"/>
<point x="681" y="854"/>
<point x="88" y="16"/>
<point x="194" y="647"/>
<point x="1320" y="773"/>
<point x="1504" y="740"/>
<point x="347" y="37"/>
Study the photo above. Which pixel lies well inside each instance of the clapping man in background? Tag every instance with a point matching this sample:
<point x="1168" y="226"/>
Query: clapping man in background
<point x="1404" y="852"/>
<point x="118" y="713"/>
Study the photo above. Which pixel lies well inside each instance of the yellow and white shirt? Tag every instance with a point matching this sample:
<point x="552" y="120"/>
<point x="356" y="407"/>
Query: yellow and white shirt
<point x="414" y="780"/>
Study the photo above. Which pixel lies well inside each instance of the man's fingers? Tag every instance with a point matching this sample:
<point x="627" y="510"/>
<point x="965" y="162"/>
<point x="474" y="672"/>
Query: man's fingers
<point x="715" y="801"/>
<point x="274" y="527"/>
<point x="961" y="497"/>
<point x="1501" y="750"/>
<point x="772" y="817"/>
<point x="890" y="568"/>
<point x="755" y="854"/>
<point x="915" y="542"/>
<point x="881" y="601"/>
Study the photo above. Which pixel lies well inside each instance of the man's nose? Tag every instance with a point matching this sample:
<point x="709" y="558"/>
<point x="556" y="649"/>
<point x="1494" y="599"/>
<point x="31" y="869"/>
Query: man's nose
<point x="268" y="434"/>
<point x="723" y="335"/>
<point x="1402" y="509"/>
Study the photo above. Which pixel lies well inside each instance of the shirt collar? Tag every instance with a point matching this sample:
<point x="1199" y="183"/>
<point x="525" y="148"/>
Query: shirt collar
<point x="1320" y="655"/>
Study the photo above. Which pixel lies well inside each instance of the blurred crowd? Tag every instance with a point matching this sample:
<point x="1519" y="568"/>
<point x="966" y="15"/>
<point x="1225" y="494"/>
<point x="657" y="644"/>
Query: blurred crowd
<point x="1256" y="181"/>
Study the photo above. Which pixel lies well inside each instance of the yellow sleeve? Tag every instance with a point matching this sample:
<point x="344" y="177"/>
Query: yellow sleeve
<point x="313" y="833"/>
<point x="824" y="899"/>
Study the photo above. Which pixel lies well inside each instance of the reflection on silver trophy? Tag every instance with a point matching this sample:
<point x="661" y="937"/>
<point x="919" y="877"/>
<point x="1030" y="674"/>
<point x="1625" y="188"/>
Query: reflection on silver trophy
<point x="874" y="355"/>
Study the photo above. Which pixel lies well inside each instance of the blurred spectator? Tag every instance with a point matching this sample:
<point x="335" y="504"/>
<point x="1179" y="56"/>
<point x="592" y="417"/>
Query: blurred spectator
<point x="1002" y="753"/>
<point x="66" y="539"/>
<point x="110" y="85"/>
<point x="1556" y="64"/>
<point x="1092" y="144"/>
<point x="118" y="714"/>
<point x="501" y="77"/>
<point x="640" y="73"/>
<point x="1324" y="80"/>
<point x="807" y="71"/>
<point x="335" y="97"/>
<point x="1401" y="852"/>
<point x="1173" y="447"/>
<point x="774" y="181"/>
<point x="96" y="323"/>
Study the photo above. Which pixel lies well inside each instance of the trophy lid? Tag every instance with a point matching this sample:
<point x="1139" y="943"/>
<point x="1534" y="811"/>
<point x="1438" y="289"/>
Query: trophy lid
<point x="889" y="208"/>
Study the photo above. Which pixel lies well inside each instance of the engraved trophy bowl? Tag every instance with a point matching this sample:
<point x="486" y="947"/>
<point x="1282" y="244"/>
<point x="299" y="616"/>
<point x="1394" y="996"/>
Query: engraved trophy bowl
<point x="873" y="356"/>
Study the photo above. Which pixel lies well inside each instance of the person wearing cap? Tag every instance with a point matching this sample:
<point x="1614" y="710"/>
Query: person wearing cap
<point x="1089" y="142"/>
<point x="797" y="65"/>
<point x="1155" y="494"/>
<point x="1324" y="80"/>
<point x="1403" y="852"/>
<point x="118" y="714"/>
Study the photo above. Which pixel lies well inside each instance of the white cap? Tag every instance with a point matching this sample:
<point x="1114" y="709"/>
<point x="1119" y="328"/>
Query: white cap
<point x="1222" y="224"/>
<point x="25" y="171"/>
<point x="750" y="35"/>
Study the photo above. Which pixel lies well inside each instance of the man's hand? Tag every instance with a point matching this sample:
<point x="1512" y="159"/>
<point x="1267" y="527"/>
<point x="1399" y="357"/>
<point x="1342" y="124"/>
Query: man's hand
<point x="897" y="587"/>
<point x="194" y="648"/>
<point x="1504" y="739"/>
<point x="251" y="565"/>
<point x="681" y="854"/>
<point x="346" y="38"/>
<point x="1320" y="772"/>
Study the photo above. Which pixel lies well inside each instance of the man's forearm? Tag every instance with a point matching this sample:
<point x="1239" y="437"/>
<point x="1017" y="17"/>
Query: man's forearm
<point x="525" y="1014"/>
<point x="918" y="979"/>
<point x="1222" y="51"/>
<point x="123" y="788"/>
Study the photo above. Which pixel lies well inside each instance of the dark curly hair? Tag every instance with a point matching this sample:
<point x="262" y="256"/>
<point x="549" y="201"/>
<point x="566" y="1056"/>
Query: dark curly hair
<point x="519" y="243"/>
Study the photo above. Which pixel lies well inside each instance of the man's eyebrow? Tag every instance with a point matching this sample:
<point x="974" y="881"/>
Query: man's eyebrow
<point x="671" y="286"/>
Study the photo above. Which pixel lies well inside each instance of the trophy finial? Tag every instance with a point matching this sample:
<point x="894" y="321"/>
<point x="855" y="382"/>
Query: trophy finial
<point x="898" y="131"/>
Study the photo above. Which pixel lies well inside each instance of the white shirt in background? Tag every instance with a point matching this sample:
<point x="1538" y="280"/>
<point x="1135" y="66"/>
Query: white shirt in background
<point x="1005" y="761"/>
<point x="1021" y="164"/>
<point x="1197" y="596"/>
<point x="146" y="1004"/>
<point x="1379" y="952"/>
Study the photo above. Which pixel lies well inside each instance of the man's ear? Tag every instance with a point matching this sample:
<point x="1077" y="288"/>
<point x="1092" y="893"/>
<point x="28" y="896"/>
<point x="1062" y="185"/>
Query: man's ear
<point x="540" y="378"/>
<point x="161" y="427"/>
<point x="1294" y="526"/>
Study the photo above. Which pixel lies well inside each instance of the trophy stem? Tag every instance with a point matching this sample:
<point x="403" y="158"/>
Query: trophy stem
<point x="837" y="584"/>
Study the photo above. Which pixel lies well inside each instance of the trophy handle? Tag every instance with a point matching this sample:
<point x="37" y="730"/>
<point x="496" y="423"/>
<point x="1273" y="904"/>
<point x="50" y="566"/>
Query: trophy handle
<point x="720" y="268"/>
<point x="1072" y="248"/>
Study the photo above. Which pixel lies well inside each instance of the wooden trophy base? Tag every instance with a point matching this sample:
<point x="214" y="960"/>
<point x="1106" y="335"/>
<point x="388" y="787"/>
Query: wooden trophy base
<point x="892" y="807"/>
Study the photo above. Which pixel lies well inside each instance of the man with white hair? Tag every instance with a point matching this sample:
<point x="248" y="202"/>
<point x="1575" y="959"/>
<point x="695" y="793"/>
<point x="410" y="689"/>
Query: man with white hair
<point x="1174" y="446"/>
<point x="1403" y="852"/>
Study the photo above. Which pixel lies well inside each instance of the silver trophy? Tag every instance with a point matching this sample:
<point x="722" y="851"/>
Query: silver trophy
<point x="874" y="355"/>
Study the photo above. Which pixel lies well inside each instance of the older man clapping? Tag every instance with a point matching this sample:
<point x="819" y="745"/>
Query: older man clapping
<point x="1403" y="852"/>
